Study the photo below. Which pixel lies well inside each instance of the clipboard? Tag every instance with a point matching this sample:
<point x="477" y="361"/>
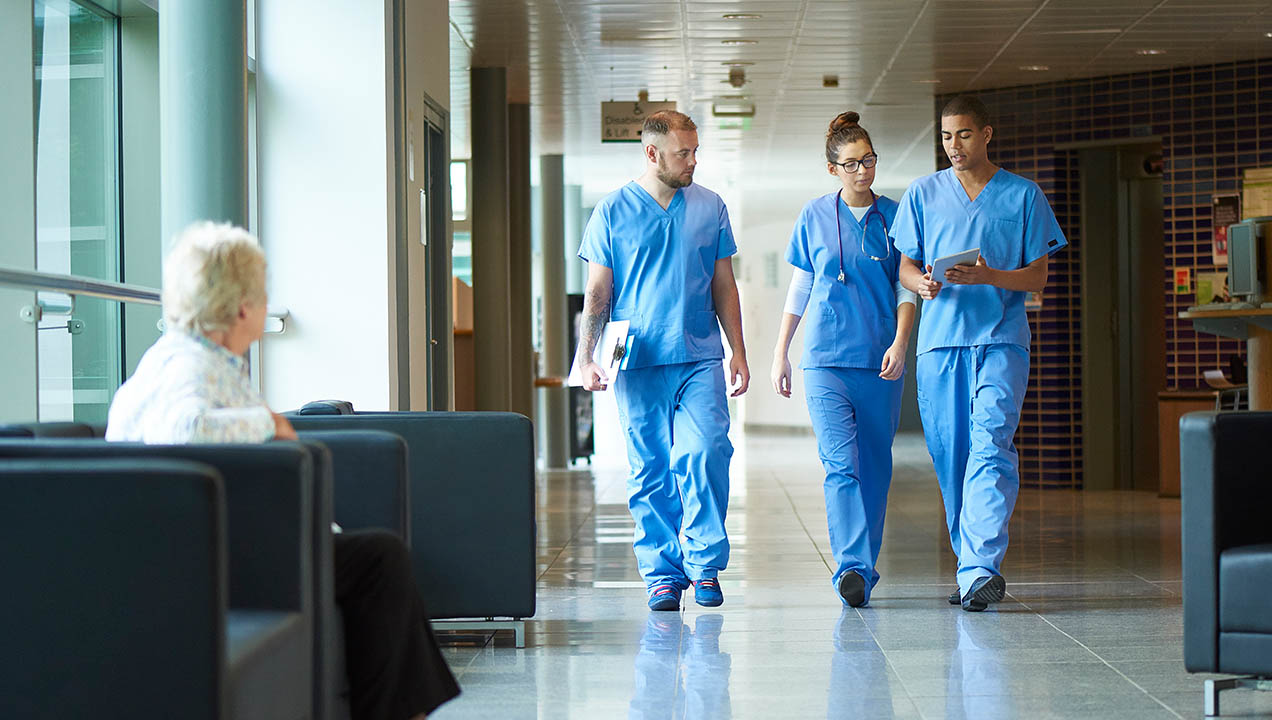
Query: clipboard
<point x="611" y="352"/>
<point x="940" y="265"/>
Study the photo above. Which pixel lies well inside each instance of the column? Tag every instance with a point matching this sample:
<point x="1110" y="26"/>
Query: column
<point x="492" y="338"/>
<point x="203" y="113"/>
<point x="520" y="259"/>
<point x="575" y="221"/>
<point x="554" y="417"/>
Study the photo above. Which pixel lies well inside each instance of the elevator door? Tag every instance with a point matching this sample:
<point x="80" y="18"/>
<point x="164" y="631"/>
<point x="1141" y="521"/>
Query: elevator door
<point x="1123" y="345"/>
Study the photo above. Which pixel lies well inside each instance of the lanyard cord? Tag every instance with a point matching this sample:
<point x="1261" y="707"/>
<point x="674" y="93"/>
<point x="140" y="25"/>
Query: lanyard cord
<point x="874" y="208"/>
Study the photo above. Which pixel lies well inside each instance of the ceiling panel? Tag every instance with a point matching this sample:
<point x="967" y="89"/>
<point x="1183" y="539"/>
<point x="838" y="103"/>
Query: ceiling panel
<point x="891" y="56"/>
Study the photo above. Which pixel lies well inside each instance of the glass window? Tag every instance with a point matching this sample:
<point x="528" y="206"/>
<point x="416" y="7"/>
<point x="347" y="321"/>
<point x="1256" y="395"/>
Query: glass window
<point x="77" y="203"/>
<point x="459" y="190"/>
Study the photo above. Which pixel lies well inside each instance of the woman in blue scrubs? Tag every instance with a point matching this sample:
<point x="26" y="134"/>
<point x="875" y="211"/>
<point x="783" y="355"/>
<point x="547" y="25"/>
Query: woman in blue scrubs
<point x="854" y="349"/>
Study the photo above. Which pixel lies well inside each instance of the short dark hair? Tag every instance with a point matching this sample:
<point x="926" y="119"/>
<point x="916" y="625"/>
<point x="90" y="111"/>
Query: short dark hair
<point x="664" y="121"/>
<point x="967" y="105"/>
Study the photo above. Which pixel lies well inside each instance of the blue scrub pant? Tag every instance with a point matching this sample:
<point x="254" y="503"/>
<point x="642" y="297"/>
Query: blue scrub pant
<point x="676" y="418"/>
<point x="969" y="399"/>
<point x="855" y="414"/>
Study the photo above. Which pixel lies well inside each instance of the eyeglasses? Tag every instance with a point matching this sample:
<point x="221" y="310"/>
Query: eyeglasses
<point x="851" y="165"/>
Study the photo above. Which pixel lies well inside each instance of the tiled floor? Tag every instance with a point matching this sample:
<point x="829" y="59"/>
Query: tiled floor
<point x="1091" y="628"/>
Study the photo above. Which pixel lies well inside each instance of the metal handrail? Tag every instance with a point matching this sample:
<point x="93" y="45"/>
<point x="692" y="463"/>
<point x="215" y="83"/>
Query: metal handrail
<point x="75" y="285"/>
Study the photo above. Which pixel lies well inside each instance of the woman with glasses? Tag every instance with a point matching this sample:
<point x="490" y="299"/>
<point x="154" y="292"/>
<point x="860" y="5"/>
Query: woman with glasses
<point x="859" y="322"/>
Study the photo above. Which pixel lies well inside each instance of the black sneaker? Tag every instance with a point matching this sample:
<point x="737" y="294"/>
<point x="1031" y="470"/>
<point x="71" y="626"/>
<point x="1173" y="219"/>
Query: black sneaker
<point x="954" y="598"/>
<point x="984" y="591"/>
<point x="852" y="588"/>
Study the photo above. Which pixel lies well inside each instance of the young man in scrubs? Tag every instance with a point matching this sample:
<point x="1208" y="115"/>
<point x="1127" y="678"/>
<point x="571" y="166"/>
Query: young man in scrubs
<point x="973" y="353"/>
<point x="658" y="252"/>
<point x="854" y="349"/>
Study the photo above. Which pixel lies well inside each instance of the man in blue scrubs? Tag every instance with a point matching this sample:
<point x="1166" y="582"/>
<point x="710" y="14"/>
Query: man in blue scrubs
<point x="658" y="252"/>
<point x="973" y="364"/>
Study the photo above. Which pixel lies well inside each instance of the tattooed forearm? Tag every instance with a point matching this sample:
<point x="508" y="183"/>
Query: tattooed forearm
<point x="595" y="315"/>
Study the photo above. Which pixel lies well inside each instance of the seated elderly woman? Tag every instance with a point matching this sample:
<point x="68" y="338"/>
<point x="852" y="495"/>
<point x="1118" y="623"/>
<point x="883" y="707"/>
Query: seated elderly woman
<point x="192" y="387"/>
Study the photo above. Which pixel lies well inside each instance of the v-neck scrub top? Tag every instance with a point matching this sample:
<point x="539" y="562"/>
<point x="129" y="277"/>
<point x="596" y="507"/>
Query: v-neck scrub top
<point x="1012" y="224"/>
<point x="850" y="324"/>
<point x="663" y="263"/>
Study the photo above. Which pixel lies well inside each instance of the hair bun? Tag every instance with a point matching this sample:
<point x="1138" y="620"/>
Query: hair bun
<point x="844" y="120"/>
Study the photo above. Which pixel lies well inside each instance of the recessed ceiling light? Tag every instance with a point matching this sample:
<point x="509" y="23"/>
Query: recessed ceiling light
<point x="742" y="16"/>
<point x="1034" y="68"/>
<point x="1150" y="51"/>
<point x="1267" y="34"/>
<point x="739" y="42"/>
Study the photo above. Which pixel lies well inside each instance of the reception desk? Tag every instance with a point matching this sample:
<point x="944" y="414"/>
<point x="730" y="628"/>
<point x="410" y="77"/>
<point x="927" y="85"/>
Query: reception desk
<point x="1255" y="327"/>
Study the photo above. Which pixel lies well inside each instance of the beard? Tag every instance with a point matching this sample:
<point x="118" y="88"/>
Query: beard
<point x="672" y="180"/>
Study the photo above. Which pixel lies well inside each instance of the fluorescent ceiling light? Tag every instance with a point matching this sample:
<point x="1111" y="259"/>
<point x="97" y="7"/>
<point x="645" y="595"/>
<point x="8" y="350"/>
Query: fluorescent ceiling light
<point x="1150" y="51"/>
<point x="742" y="16"/>
<point x="739" y="42"/>
<point x="1035" y="68"/>
<point x="1087" y="31"/>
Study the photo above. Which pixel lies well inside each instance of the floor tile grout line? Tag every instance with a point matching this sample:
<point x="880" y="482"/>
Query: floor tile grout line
<point x="1097" y="656"/>
<point x="803" y="526"/>
<point x="913" y="703"/>
<point x="873" y="637"/>
<point x="573" y="536"/>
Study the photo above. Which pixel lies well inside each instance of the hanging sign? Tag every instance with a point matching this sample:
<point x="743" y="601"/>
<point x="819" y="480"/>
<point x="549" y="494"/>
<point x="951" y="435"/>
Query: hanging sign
<point x="622" y="121"/>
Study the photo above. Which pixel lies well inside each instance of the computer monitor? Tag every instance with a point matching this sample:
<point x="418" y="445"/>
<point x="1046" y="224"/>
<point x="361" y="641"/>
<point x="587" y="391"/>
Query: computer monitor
<point x="1243" y="260"/>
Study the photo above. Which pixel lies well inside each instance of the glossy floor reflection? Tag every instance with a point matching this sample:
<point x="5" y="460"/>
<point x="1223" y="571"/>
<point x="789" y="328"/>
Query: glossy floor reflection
<point x="1091" y="628"/>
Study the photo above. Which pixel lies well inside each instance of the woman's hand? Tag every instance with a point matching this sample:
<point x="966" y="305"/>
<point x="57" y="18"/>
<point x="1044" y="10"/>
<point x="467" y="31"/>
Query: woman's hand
<point x="781" y="374"/>
<point x="893" y="362"/>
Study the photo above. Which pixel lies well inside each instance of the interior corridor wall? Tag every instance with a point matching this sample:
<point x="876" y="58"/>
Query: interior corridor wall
<point x="327" y="184"/>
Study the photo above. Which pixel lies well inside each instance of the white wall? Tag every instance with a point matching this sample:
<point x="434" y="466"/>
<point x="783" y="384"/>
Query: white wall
<point x="323" y="167"/>
<point x="763" y="228"/>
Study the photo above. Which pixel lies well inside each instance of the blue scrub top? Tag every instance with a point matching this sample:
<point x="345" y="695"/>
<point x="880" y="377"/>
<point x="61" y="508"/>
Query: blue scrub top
<point x="1010" y="222"/>
<point x="848" y="324"/>
<point x="663" y="263"/>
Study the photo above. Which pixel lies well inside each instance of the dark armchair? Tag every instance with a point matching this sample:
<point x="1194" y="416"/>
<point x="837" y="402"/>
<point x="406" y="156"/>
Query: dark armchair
<point x="116" y="597"/>
<point x="1226" y="490"/>
<point x="472" y="500"/>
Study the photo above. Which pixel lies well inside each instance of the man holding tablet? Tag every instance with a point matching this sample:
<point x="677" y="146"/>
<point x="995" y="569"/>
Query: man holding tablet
<point x="973" y="353"/>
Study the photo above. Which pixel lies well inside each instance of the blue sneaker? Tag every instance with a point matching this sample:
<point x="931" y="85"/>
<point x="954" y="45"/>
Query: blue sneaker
<point x="664" y="596"/>
<point x="707" y="593"/>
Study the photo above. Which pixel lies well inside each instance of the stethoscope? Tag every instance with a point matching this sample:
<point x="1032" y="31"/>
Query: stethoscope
<point x="865" y="229"/>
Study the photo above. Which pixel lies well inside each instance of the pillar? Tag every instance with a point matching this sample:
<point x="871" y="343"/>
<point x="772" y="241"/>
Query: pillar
<point x="490" y="207"/>
<point x="520" y="262"/>
<point x="202" y="113"/>
<point x="554" y="418"/>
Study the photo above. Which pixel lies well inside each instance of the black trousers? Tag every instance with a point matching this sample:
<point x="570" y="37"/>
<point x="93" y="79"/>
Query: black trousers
<point x="396" y="670"/>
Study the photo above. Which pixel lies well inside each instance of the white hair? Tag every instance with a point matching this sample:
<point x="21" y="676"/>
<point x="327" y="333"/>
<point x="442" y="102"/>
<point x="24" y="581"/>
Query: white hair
<point x="210" y="271"/>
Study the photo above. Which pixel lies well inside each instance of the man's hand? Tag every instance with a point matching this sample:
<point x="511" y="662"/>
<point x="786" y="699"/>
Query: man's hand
<point x="978" y="274"/>
<point x="781" y="375"/>
<point x="593" y="376"/>
<point x="893" y="362"/>
<point x="737" y="367"/>
<point x="283" y="429"/>
<point x="927" y="287"/>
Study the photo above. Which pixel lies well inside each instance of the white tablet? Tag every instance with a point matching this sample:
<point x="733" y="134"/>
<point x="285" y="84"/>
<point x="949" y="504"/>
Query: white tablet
<point x="967" y="257"/>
